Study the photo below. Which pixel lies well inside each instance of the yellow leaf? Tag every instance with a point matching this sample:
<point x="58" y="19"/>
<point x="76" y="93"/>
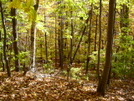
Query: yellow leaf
<point x="30" y="2"/>
<point x="23" y="6"/>
<point x="16" y="3"/>
<point x="10" y="5"/>
<point x="26" y="9"/>
<point x="32" y="14"/>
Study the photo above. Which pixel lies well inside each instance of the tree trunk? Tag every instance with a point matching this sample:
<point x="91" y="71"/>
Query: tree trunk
<point x="81" y="37"/>
<point x="1" y="55"/>
<point x="60" y="37"/>
<point x="99" y="46"/>
<point x="4" y="42"/>
<point x="71" y="46"/>
<point x="71" y="39"/>
<point x="46" y="48"/>
<point x="15" y="46"/>
<point x="61" y="44"/>
<point x="46" y="44"/>
<point x="96" y="30"/>
<point x="89" y="40"/>
<point x="33" y="38"/>
<point x="124" y="16"/>
<point x="95" y="38"/>
<point x="103" y="83"/>
<point x="124" y="23"/>
<point x="56" y="37"/>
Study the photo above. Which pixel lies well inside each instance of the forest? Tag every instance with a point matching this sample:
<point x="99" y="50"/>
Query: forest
<point x="67" y="50"/>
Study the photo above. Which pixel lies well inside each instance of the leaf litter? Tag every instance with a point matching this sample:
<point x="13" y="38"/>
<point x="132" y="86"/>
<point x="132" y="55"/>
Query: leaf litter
<point x="30" y="88"/>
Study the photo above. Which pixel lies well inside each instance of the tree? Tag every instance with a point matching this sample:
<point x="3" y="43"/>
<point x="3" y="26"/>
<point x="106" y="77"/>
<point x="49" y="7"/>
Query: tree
<point x="33" y="36"/>
<point x="46" y="44"/>
<point x="4" y="42"/>
<point x="60" y="35"/>
<point x="71" y="39"/>
<point x="15" y="43"/>
<point x="124" y="18"/>
<point x="1" y="55"/>
<point x="99" y="46"/>
<point x="89" y="39"/>
<point x="81" y="37"/>
<point x="103" y="83"/>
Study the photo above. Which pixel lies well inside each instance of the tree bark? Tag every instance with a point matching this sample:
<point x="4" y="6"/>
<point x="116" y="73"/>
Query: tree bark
<point x="1" y="55"/>
<point x="46" y="48"/>
<point x="99" y="46"/>
<point x="61" y="44"/>
<point x="71" y="39"/>
<point x="89" y="40"/>
<point x="124" y="22"/>
<point x="4" y="42"/>
<point x="56" y="37"/>
<point x="60" y="37"/>
<point x="33" y="38"/>
<point x="46" y="43"/>
<point x="95" y="37"/>
<point x="124" y="16"/>
<point x="15" y="46"/>
<point x="103" y="83"/>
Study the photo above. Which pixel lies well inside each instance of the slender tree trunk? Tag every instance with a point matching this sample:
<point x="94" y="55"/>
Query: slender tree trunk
<point x="46" y="48"/>
<point x="124" y="23"/>
<point x="71" y="40"/>
<point x="15" y="46"/>
<point x="99" y="46"/>
<point x="103" y="83"/>
<point x="56" y="37"/>
<point x="95" y="37"/>
<point x="66" y="26"/>
<point x="89" y="40"/>
<point x="110" y="71"/>
<point x="83" y="32"/>
<point x="60" y="37"/>
<point x="124" y="26"/>
<point x="116" y="60"/>
<point x="1" y="55"/>
<point x="33" y="38"/>
<point x="4" y="42"/>
<point x="41" y="51"/>
<point x="61" y="45"/>
<point x="124" y="16"/>
<point x="71" y="46"/>
<point x="33" y="44"/>
<point x="46" y="44"/>
<point x="96" y="30"/>
<point x="25" y="68"/>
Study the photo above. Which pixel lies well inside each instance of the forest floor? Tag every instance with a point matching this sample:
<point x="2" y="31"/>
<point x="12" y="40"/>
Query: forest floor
<point x="58" y="88"/>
